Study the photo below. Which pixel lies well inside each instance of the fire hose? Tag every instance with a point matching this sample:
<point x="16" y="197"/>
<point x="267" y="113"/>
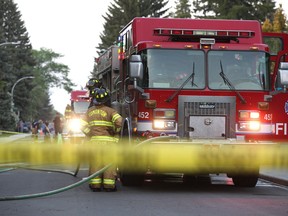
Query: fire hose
<point x="48" y="193"/>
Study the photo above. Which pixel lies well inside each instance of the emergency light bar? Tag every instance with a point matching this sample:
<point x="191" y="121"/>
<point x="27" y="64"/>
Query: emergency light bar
<point x="194" y="32"/>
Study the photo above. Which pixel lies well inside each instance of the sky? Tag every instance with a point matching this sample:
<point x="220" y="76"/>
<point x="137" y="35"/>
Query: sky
<point x="71" y="28"/>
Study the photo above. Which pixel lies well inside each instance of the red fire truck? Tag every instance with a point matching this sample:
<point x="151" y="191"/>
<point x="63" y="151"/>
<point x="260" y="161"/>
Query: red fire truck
<point x="204" y="82"/>
<point x="80" y="102"/>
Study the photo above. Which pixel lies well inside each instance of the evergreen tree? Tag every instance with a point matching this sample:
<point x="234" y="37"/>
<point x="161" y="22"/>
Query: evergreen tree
<point x="121" y="12"/>
<point x="279" y="21"/>
<point x="234" y="9"/>
<point x="267" y="26"/>
<point x="151" y="8"/>
<point x="15" y="62"/>
<point x="183" y="9"/>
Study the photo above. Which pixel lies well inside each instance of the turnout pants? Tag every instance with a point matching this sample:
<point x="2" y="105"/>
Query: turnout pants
<point x="102" y="154"/>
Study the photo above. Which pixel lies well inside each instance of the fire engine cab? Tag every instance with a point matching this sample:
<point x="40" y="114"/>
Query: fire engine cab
<point x="80" y="102"/>
<point x="205" y="82"/>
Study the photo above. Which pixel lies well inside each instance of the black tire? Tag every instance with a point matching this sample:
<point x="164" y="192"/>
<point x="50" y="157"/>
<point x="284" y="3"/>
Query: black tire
<point x="189" y="179"/>
<point x="245" y="180"/>
<point x="131" y="179"/>
<point x="128" y="177"/>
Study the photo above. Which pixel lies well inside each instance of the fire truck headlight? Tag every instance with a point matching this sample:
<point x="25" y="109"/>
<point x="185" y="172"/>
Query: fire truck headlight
<point x="249" y="126"/>
<point x="74" y="125"/>
<point x="254" y="125"/>
<point x="164" y="124"/>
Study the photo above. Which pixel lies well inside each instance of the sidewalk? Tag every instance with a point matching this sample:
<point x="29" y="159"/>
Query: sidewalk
<point x="14" y="137"/>
<point x="276" y="175"/>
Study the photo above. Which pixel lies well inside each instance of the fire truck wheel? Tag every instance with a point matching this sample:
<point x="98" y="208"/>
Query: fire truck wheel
<point x="189" y="179"/>
<point x="245" y="180"/>
<point x="192" y="180"/>
<point x="131" y="179"/>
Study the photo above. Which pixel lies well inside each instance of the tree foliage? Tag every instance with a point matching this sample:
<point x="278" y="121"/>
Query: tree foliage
<point x="51" y="72"/>
<point x="267" y="26"/>
<point x="183" y="9"/>
<point x="278" y="23"/>
<point x="279" y="20"/>
<point x="121" y="12"/>
<point x="48" y="73"/>
<point x="234" y="9"/>
<point x="17" y="60"/>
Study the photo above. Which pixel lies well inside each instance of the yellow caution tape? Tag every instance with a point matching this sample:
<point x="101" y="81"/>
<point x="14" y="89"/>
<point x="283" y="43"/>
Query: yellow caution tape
<point x="165" y="156"/>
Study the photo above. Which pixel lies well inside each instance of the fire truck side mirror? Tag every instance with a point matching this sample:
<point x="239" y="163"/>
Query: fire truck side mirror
<point x="136" y="67"/>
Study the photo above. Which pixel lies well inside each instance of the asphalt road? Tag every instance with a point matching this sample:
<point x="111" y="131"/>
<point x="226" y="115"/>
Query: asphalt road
<point x="165" y="197"/>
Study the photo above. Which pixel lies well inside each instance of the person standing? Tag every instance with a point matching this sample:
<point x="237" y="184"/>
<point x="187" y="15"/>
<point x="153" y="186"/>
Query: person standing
<point x="57" y="125"/>
<point x="101" y="124"/>
<point x="20" y="126"/>
<point x="46" y="132"/>
<point x="34" y="128"/>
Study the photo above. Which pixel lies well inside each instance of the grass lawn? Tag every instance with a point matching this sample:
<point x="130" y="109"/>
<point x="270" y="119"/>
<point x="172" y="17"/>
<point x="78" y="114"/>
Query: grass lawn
<point x="3" y="134"/>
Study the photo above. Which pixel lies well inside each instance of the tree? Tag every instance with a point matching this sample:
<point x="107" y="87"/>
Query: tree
<point x="48" y="73"/>
<point x="234" y="9"/>
<point x="267" y="26"/>
<point x="121" y="12"/>
<point x="52" y="73"/>
<point x="279" y="21"/>
<point x="183" y="9"/>
<point x="16" y="62"/>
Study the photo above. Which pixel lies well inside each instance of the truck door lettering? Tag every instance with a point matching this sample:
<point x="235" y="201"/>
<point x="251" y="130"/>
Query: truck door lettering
<point x="281" y="127"/>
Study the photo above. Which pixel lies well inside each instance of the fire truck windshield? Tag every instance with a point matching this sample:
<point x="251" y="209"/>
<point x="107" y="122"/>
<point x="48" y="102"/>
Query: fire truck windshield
<point x="169" y="68"/>
<point x="246" y="70"/>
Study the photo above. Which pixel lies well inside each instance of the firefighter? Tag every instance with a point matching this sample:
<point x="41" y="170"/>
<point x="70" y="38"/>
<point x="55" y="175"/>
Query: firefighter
<point x="102" y="124"/>
<point x="68" y="112"/>
<point x="92" y="84"/>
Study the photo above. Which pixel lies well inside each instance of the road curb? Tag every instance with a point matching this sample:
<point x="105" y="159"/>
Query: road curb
<point x="274" y="179"/>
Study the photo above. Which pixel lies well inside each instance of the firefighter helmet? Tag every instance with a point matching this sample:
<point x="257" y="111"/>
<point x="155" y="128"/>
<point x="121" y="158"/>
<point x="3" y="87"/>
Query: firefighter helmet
<point x="93" y="83"/>
<point x="100" y="96"/>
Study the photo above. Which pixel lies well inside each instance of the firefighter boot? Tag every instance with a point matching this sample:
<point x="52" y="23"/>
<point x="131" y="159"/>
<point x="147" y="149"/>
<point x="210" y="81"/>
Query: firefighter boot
<point x="109" y="184"/>
<point x="95" y="184"/>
